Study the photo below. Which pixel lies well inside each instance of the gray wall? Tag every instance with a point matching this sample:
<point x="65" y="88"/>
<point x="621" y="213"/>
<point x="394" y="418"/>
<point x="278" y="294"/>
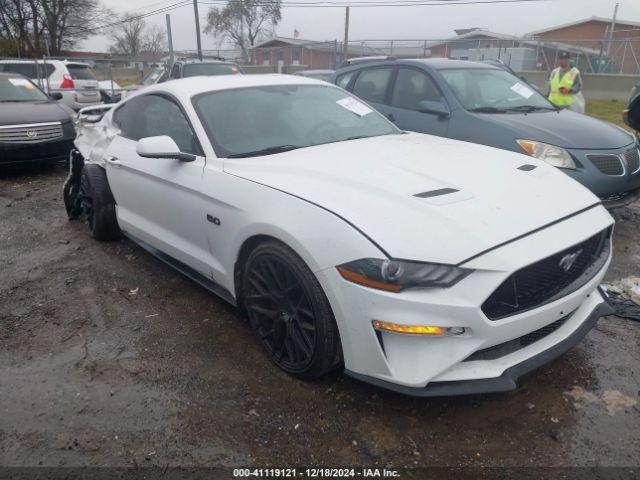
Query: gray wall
<point x="595" y="87"/>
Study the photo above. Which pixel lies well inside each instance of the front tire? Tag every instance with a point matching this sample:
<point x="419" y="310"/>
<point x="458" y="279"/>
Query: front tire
<point x="289" y="312"/>
<point x="98" y="203"/>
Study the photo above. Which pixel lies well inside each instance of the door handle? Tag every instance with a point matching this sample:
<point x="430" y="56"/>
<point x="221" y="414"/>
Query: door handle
<point x="391" y="117"/>
<point x="115" y="161"/>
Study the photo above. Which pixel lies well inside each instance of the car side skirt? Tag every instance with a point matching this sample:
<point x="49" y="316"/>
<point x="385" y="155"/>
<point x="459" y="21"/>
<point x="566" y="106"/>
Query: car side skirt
<point x="508" y="380"/>
<point x="186" y="270"/>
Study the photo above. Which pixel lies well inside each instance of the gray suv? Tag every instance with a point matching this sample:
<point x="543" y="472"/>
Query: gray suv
<point x="195" y="68"/>
<point x="483" y="103"/>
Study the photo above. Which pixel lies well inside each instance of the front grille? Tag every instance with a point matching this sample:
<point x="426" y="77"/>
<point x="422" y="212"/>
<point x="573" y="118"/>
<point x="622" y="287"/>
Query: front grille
<point x="51" y="151"/>
<point x="506" y="348"/>
<point x="36" y="133"/>
<point x="549" y="279"/>
<point x="607" y="164"/>
<point x="632" y="157"/>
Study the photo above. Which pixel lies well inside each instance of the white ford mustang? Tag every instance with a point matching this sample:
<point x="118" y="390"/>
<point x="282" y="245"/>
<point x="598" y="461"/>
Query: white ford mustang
<point x="420" y="264"/>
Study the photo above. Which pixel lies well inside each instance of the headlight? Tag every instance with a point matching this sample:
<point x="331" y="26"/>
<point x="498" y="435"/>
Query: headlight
<point x="396" y="275"/>
<point x="556" y="156"/>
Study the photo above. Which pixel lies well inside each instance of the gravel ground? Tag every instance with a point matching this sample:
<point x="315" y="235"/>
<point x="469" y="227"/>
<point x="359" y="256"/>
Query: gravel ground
<point x="110" y="358"/>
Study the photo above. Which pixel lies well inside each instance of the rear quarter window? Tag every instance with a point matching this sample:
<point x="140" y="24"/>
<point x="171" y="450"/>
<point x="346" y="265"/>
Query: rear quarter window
<point x="80" y="72"/>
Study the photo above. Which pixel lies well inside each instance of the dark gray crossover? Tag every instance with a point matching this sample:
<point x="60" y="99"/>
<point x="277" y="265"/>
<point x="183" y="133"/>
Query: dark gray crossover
<point x="34" y="127"/>
<point x="483" y="103"/>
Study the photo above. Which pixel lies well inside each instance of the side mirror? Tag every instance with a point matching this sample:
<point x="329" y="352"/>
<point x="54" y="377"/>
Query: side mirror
<point x="162" y="147"/>
<point x="434" y="108"/>
<point x="55" y="96"/>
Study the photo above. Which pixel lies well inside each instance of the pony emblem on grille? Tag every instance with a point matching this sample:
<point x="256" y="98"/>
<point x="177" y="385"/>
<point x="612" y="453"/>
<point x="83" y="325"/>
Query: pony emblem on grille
<point x="568" y="260"/>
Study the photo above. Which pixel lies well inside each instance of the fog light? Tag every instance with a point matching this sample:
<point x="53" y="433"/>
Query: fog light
<point x="417" y="329"/>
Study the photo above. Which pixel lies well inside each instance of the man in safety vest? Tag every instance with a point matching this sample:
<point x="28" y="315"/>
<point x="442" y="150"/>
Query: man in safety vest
<point x="565" y="83"/>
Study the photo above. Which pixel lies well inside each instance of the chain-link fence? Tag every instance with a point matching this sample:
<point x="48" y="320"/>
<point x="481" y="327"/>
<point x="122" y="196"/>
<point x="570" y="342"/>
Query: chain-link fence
<point x="281" y="55"/>
<point x="617" y="57"/>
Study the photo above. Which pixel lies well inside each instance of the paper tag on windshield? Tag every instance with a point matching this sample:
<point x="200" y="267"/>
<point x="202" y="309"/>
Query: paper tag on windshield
<point x="522" y="90"/>
<point x="20" y="82"/>
<point x="354" y="106"/>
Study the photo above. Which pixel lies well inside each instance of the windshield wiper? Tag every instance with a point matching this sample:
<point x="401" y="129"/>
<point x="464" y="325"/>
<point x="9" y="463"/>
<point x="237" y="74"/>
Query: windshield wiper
<point x="488" y="110"/>
<point x="529" y="108"/>
<point x="265" y="151"/>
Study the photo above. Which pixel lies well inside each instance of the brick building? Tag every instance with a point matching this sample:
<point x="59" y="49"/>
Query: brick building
<point x="621" y="54"/>
<point x="283" y="52"/>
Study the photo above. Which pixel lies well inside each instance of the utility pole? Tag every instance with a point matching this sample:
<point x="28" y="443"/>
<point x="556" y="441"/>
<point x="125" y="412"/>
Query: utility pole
<point x="195" y="9"/>
<point x="612" y="27"/>
<point x="346" y="35"/>
<point x="170" y="40"/>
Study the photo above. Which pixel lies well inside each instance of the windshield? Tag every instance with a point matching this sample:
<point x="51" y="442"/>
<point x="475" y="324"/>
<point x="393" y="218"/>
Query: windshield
<point x="152" y="77"/>
<point x="80" y="72"/>
<point x="16" y="89"/>
<point x="208" y="69"/>
<point x="270" y="119"/>
<point x="493" y="90"/>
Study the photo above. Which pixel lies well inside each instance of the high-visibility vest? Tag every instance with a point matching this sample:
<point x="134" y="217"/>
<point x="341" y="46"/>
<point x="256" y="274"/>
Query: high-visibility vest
<point x="556" y="97"/>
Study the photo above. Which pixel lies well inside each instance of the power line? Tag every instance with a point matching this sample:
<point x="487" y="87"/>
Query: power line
<point x="310" y="4"/>
<point x="168" y="8"/>
<point x="371" y="3"/>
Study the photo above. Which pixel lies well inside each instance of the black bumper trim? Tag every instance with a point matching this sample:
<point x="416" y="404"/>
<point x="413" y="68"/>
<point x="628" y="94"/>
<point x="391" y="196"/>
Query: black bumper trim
<point x="509" y="379"/>
<point x="633" y="196"/>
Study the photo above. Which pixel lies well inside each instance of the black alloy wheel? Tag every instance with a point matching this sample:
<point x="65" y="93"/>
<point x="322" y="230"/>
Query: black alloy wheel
<point x="289" y="312"/>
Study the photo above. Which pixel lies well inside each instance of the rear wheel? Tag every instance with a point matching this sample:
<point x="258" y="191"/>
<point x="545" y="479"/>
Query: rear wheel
<point x="289" y="312"/>
<point x="97" y="203"/>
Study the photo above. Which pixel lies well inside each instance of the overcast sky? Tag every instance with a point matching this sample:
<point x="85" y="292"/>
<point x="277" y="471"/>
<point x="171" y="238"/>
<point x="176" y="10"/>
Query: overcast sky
<point x="423" y="22"/>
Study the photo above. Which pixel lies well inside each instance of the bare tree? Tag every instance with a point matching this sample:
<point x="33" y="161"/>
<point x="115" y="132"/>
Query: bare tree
<point x="155" y="41"/>
<point x="128" y="36"/>
<point x="244" y="22"/>
<point x="34" y="25"/>
<point x="68" y="22"/>
<point x="20" y="26"/>
<point x="132" y="36"/>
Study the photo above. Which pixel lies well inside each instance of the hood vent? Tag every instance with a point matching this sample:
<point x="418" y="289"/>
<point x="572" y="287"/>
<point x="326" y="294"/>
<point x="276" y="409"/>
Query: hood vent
<point x="527" y="167"/>
<point x="436" y="193"/>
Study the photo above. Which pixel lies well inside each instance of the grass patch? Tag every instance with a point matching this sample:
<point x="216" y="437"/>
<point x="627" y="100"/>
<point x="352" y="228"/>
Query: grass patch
<point x="609" y="110"/>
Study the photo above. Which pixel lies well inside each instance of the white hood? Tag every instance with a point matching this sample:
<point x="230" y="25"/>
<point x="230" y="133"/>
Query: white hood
<point x="372" y="183"/>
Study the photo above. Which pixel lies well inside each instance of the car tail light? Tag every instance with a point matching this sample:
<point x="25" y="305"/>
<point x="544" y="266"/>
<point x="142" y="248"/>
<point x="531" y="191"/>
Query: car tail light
<point x="67" y="82"/>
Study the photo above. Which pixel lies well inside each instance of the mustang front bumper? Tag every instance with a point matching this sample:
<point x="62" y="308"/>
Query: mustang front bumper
<point x="451" y="365"/>
<point x="509" y="379"/>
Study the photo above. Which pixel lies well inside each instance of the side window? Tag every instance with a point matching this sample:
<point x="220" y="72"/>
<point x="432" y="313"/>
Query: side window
<point x="155" y="115"/>
<point x="412" y="87"/>
<point x="344" y="79"/>
<point x="175" y="71"/>
<point x="26" y="69"/>
<point x="371" y="85"/>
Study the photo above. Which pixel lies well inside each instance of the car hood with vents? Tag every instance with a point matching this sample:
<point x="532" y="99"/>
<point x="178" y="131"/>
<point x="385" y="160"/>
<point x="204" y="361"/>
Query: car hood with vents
<point x="422" y="197"/>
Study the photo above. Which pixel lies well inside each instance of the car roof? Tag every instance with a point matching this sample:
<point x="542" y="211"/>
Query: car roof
<point x="435" y="63"/>
<point x="189" y="61"/>
<point x="445" y="63"/>
<point x="188" y="87"/>
<point x="315" y="71"/>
